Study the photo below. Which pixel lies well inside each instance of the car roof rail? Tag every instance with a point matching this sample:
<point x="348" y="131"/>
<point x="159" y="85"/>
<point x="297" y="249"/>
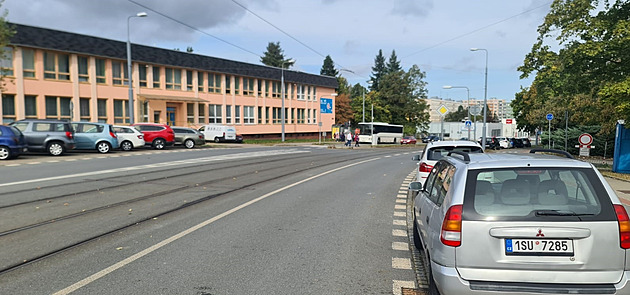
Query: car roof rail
<point x="552" y="151"/>
<point x="466" y="157"/>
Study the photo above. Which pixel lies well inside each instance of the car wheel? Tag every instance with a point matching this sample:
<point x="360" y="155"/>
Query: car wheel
<point x="55" y="149"/>
<point x="216" y="139"/>
<point x="5" y="153"/>
<point x="126" y="146"/>
<point x="103" y="147"/>
<point x="189" y="143"/>
<point x="159" y="144"/>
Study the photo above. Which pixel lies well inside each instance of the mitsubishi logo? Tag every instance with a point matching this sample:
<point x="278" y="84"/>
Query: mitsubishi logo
<point x="540" y="234"/>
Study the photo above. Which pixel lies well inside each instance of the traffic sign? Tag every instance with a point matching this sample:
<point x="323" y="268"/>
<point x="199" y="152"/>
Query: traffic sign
<point x="508" y="121"/>
<point x="442" y="110"/>
<point x="475" y="110"/>
<point x="549" y="117"/>
<point x="585" y="139"/>
<point x="468" y="123"/>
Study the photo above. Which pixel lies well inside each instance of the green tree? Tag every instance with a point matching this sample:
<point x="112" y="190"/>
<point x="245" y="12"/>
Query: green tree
<point x="356" y="94"/>
<point x="378" y="70"/>
<point x="343" y="110"/>
<point x="393" y="64"/>
<point x="328" y="68"/>
<point x="589" y="75"/>
<point x="6" y="33"/>
<point x="344" y="87"/>
<point x="456" y="116"/>
<point x="274" y="56"/>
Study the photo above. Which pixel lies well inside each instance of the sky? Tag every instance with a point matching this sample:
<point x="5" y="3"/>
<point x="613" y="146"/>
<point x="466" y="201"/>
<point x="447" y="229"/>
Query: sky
<point x="436" y="35"/>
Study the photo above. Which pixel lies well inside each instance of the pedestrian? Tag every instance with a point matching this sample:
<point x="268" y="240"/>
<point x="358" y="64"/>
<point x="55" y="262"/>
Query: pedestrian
<point x="349" y="139"/>
<point x="342" y="137"/>
<point x="356" y="140"/>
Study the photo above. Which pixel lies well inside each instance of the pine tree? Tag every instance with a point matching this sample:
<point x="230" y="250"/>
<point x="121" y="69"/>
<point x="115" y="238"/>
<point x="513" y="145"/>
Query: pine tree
<point x="378" y="71"/>
<point x="274" y="56"/>
<point x="328" y="68"/>
<point x="393" y="65"/>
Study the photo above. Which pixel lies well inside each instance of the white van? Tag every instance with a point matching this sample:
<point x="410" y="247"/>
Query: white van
<point x="218" y="133"/>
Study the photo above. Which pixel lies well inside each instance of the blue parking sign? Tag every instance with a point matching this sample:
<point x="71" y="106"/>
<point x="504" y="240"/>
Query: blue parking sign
<point x="549" y="117"/>
<point x="325" y="105"/>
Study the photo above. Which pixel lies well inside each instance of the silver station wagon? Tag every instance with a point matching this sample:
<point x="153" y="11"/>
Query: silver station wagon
<point x="521" y="224"/>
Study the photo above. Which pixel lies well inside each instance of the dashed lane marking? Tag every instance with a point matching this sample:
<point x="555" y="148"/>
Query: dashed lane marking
<point x="401" y="263"/>
<point x="400" y="246"/>
<point x="400" y="214"/>
<point x="400" y="207"/>
<point x="399" y="233"/>
<point x="400" y="222"/>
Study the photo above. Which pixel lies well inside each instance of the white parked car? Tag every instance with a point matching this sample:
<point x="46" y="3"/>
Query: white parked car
<point x="129" y="137"/>
<point x="218" y="133"/>
<point x="504" y="143"/>
<point x="435" y="150"/>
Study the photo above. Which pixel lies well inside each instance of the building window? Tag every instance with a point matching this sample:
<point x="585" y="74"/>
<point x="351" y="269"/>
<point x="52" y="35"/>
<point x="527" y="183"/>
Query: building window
<point x="119" y="73"/>
<point x="56" y="66"/>
<point x="101" y="105"/>
<point x="84" y="109"/>
<point x="83" y="69"/>
<point x="314" y="93"/>
<point x="260" y="121"/>
<point x="300" y="92"/>
<point x="260" y="87"/>
<point x="267" y="88"/>
<point x="290" y="91"/>
<point x="275" y="90"/>
<point x="173" y="79"/>
<point x="189" y="80"/>
<point x="144" y="111"/>
<point x="214" y="114"/>
<point x="190" y="113"/>
<point x="200" y="82"/>
<point x="314" y="116"/>
<point x="267" y="115"/>
<point x="120" y="111"/>
<point x="237" y="114"/>
<point x="30" y="106"/>
<point x="248" y="86"/>
<point x="6" y="63"/>
<point x="300" y="116"/>
<point x="100" y="71"/>
<point x="237" y="85"/>
<point x="308" y="92"/>
<point x="202" y="113"/>
<point x="142" y="75"/>
<point x="293" y="120"/>
<point x="214" y="83"/>
<point x="248" y="114"/>
<point x="28" y="62"/>
<point x="228" y="84"/>
<point x="228" y="114"/>
<point x="8" y="108"/>
<point x="156" y="77"/>
<point x="57" y="107"/>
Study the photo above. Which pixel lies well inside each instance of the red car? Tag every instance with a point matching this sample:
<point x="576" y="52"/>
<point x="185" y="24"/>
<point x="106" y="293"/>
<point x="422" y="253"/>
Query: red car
<point x="408" y="140"/>
<point x="156" y="135"/>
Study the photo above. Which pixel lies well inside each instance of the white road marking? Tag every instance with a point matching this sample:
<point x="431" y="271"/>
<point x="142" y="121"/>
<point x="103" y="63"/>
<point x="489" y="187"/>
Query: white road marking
<point x="401" y="263"/>
<point x="162" y="165"/>
<point x="400" y="214"/>
<point x="399" y="233"/>
<point x="398" y="285"/>
<point x="400" y="246"/>
<point x="401" y="201"/>
<point x="400" y="222"/>
<point x="401" y="196"/>
<point x="400" y="207"/>
<point x="13" y="165"/>
<point x="184" y="233"/>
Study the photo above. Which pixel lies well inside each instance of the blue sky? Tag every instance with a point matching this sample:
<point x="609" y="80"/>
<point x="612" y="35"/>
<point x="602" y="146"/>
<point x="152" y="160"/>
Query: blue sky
<point x="435" y="35"/>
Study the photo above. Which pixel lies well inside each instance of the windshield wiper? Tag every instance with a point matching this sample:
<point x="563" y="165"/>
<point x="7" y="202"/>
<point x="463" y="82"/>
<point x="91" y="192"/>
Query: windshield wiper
<point x="560" y="213"/>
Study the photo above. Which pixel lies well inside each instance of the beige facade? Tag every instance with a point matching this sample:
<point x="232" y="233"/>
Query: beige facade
<point x="499" y="107"/>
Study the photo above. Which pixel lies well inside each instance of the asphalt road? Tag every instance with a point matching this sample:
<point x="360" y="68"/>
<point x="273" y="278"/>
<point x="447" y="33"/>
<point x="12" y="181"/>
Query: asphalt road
<point x="266" y="220"/>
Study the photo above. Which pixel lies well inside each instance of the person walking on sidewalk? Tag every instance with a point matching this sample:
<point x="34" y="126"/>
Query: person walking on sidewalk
<point x="349" y="139"/>
<point x="356" y="140"/>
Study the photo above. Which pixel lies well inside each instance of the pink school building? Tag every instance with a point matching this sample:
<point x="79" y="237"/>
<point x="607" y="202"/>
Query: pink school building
<point x="49" y="74"/>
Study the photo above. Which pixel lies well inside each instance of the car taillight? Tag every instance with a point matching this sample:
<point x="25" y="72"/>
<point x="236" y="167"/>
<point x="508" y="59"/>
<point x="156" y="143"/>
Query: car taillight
<point x="140" y="136"/>
<point x="424" y="167"/>
<point x="69" y="134"/>
<point x="201" y="137"/>
<point x="112" y="134"/>
<point x="624" y="226"/>
<point x="452" y="227"/>
<point x="224" y="134"/>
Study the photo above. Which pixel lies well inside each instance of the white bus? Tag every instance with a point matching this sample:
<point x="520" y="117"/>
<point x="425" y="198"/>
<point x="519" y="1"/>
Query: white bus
<point x="383" y="132"/>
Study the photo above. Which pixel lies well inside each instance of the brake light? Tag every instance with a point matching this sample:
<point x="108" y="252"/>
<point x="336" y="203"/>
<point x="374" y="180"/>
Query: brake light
<point x="112" y="134"/>
<point x="424" y="167"/>
<point x="140" y="136"/>
<point x="452" y="227"/>
<point x="69" y="134"/>
<point x="624" y="226"/>
<point x="224" y="134"/>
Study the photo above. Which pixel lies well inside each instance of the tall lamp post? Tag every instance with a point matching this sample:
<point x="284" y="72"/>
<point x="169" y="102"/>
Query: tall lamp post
<point x="282" y="90"/>
<point x="468" y="92"/>
<point x="485" y="98"/>
<point x="131" y="108"/>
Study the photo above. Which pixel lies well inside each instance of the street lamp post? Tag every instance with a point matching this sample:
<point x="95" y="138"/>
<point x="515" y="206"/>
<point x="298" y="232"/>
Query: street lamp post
<point x="282" y="116"/>
<point x="131" y="108"/>
<point x="467" y="91"/>
<point x="485" y="98"/>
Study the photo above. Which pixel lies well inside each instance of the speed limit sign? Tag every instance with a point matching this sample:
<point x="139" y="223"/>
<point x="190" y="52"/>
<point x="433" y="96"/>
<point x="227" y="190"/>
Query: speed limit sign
<point x="585" y="139"/>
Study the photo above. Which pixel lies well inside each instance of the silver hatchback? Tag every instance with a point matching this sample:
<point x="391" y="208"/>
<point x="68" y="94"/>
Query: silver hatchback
<point x="521" y="224"/>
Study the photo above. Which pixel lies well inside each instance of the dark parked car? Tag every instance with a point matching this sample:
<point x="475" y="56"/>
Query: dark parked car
<point x="12" y="142"/>
<point x="188" y="137"/>
<point x="517" y="142"/>
<point x="526" y="142"/>
<point x="239" y="138"/>
<point x="52" y="136"/>
<point x="430" y="138"/>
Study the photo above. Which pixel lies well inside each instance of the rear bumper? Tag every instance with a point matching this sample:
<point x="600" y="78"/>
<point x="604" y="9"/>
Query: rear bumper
<point x="449" y="282"/>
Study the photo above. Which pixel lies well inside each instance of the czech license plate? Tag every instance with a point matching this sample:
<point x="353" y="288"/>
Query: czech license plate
<point x="539" y="247"/>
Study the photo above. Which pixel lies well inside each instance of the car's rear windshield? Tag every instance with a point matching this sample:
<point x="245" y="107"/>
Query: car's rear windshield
<point x="536" y="194"/>
<point x="437" y="153"/>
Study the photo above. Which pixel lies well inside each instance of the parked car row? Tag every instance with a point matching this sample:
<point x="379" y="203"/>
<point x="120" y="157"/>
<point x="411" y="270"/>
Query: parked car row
<point x="57" y="136"/>
<point x="528" y="223"/>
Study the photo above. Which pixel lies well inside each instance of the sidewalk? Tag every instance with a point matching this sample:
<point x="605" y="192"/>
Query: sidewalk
<point x="622" y="189"/>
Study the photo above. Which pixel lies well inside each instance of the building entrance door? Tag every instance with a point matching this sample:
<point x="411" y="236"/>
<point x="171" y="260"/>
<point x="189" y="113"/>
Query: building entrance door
<point x="170" y="116"/>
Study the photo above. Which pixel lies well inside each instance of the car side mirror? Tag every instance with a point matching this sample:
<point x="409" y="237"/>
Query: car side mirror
<point x="416" y="157"/>
<point x="413" y="189"/>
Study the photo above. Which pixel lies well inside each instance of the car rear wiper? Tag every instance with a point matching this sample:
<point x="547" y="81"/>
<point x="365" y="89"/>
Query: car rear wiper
<point x="560" y="213"/>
